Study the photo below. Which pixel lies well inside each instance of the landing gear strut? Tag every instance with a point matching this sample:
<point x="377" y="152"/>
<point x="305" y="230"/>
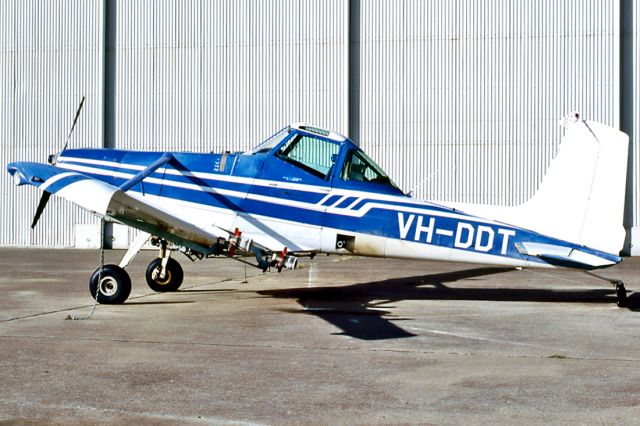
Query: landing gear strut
<point x="621" y="291"/>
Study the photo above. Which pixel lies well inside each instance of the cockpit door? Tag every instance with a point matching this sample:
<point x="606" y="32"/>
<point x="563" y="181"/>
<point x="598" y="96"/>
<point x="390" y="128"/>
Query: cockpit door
<point x="291" y="187"/>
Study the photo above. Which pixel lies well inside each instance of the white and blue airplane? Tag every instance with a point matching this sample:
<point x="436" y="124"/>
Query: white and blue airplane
<point x="306" y="190"/>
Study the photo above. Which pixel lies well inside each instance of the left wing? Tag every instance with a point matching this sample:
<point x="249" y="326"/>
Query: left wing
<point x="108" y="201"/>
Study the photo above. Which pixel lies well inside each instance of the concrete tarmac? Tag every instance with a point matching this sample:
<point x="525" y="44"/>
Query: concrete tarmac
<point x="339" y="341"/>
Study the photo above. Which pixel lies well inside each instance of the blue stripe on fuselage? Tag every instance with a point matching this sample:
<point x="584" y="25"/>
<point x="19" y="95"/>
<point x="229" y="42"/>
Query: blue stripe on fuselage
<point x="346" y="202"/>
<point x="332" y="199"/>
<point x="290" y="193"/>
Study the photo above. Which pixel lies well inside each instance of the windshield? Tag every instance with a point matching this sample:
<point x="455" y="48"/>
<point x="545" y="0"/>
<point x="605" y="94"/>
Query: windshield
<point x="313" y="155"/>
<point x="359" y="167"/>
<point x="271" y="142"/>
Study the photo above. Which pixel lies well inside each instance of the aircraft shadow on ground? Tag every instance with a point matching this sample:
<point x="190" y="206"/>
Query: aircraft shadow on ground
<point x="157" y="302"/>
<point x="355" y="308"/>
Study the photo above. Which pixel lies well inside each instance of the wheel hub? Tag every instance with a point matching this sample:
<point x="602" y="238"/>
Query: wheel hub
<point x="167" y="277"/>
<point x="108" y="286"/>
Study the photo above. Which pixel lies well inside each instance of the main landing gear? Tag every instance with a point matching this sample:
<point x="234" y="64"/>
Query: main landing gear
<point x="111" y="284"/>
<point x="621" y="291"/>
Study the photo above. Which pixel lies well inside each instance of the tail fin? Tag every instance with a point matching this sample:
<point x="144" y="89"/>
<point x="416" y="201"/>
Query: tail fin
<point x="581" y="197"/>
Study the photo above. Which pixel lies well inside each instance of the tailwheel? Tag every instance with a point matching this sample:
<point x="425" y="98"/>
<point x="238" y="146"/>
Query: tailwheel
<point x="621" y="293"/>
<point x="172" y="279"/>
<point x="110" y="285"/>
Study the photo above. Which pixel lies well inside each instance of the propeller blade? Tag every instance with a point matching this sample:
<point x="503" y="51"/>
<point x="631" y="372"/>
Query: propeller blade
<point x="54" y="159"/>
<point x="43" y="203"/>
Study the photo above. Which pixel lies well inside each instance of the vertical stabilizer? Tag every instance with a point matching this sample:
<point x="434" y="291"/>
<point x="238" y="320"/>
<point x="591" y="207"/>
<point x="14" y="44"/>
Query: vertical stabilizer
<point x="581" y="197"/>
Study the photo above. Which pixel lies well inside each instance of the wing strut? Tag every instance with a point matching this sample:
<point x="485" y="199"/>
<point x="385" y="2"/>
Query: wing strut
<point x="164" y="159"/>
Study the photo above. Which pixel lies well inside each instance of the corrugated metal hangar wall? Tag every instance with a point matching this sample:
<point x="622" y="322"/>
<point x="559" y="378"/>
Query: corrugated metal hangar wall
<point x="457" y="100"/>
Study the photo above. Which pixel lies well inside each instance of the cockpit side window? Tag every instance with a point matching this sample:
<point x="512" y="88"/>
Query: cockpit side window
<point x="359" y="167"/>
<point x="315" y="156"/>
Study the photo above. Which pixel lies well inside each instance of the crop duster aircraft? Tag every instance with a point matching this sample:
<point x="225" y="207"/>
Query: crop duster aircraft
<point x="306" y="190"/>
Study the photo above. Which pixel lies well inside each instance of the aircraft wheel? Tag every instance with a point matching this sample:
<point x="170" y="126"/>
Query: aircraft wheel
<point x="172" y="280"/>
<point x="113" y="285"/>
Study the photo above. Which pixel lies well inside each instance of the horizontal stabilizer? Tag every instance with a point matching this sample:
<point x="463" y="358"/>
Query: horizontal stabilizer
<point x="566" y="262"/>
<point x="567" y="257"/>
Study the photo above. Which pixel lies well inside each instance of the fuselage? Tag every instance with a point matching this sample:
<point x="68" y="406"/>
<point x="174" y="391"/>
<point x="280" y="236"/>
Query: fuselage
<point x="325" y="198"/>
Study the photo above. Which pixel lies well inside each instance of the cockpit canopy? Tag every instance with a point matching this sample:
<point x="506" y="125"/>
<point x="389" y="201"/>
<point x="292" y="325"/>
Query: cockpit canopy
<point x="326" y="155"/>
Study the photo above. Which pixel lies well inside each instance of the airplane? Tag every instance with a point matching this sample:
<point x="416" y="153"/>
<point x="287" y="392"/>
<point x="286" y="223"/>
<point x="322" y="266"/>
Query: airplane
<point x="306" y="190"/>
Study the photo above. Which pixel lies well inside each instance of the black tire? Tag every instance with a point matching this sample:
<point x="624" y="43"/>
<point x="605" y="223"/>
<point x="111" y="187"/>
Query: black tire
<point x="115" y="285"/>
<point x="173" y="278"/>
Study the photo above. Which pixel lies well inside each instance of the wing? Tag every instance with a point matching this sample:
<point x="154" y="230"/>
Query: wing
<point x="108" y="201"/>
